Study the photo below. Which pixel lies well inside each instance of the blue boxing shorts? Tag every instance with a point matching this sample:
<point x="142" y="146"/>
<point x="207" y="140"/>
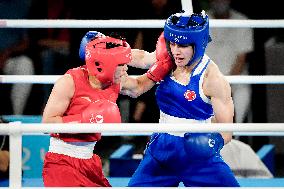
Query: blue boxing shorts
<point x="166" y="163"/>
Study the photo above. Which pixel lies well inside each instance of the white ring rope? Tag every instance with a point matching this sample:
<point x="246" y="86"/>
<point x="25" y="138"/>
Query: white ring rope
<point x="118" y="134"/>
<point x="143" y="23"/>
<point x="50" y="79"/>
<point x="139" y="127"/>
<point x="15" y="130"/>
<point x="36" y="79"/>
<point x="256" y="79"/>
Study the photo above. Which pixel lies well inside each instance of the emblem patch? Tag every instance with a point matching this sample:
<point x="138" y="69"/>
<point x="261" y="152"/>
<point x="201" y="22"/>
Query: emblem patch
<point x="189" y="95"/>
<point x="96" y="119"/>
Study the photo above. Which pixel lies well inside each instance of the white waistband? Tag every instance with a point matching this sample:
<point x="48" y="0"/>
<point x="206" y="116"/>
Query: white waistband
<point x="81" y="150"/>
<point x="165" y="118"/>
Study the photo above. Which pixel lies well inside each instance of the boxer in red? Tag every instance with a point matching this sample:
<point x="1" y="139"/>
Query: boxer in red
<point x="86" y="94"/>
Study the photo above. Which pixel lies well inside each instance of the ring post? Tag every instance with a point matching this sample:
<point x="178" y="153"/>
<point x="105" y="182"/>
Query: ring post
<point x="15" y="150"/>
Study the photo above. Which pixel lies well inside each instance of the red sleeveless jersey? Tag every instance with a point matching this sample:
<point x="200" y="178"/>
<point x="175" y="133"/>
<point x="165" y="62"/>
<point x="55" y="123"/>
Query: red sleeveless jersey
<point x="84" y="94"/>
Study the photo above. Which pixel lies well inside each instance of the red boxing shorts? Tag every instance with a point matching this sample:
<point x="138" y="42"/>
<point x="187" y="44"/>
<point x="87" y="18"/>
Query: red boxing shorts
<point x="61" y="170"/>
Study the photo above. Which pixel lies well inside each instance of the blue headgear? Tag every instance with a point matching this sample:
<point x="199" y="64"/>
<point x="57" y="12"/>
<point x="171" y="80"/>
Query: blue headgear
<point x="186" y="29"/>
<point x="89" y="36"/>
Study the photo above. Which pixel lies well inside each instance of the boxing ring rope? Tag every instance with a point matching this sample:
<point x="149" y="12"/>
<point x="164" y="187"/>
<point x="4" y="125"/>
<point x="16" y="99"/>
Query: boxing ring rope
<point x="16" y="130"/>
<point x="236" y="79"/>
<point x="143" y="23"/>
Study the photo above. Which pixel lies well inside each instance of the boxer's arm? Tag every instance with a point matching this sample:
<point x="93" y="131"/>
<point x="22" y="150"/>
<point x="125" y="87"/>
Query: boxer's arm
<point x="59" y="100"/>
<point x="218" y="88"/>
<point x="135" y="86"/>
<point x="142" y="59"/>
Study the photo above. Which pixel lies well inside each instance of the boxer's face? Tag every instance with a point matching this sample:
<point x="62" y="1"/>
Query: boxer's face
<point x="182" y="53"/>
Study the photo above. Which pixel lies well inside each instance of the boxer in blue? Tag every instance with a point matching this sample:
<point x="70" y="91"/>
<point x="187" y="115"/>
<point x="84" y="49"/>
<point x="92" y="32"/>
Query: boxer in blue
<point x="191" y="90"/>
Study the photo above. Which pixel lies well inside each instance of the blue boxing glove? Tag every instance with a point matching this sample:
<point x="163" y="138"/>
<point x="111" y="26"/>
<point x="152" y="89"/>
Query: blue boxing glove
<point x="90" y="35"/>
<point x="201" y="146"/>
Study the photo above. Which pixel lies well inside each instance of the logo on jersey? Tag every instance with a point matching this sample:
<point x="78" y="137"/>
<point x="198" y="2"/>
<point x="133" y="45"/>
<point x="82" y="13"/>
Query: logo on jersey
<point x="96" y="119"/>
<point x="190" y="95"/>
<point x="211" y="142"/>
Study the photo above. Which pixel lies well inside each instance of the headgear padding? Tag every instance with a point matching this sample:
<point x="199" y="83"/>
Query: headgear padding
<point x="90" y="35"/>
<point x="189" y="29"/>
<point x="104" y="54"/>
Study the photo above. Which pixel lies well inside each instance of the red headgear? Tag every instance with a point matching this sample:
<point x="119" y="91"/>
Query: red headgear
<point x="104" y="54"/>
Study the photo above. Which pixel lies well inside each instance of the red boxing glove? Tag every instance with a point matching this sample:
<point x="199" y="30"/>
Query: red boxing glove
<point x="100" y="111"/>
<point x="72" y="118"/>
<point x="163" y="65"/>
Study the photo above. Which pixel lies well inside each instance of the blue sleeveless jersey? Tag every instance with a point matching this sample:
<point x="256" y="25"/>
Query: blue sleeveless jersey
<point x="166" y="161"/>
<point x="185" y="101"/>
